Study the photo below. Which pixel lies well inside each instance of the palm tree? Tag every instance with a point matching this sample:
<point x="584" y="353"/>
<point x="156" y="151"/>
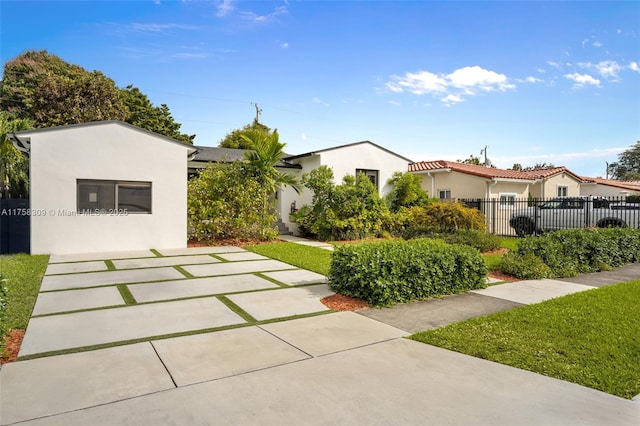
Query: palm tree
<point x="266" y="152"/>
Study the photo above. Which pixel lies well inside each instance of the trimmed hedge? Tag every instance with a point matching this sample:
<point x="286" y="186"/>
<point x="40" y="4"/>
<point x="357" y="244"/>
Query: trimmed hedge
<point x="388" y="272"/>
<point x="468" y="237"/>
<point x="571" y="252"/>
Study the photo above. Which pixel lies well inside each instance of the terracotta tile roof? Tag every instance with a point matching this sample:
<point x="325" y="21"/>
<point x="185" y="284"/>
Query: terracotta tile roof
<point x="630" y="185"/>
<point x="489" y="172"/>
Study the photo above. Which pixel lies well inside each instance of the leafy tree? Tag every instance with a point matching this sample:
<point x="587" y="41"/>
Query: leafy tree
<point x="516" y="167"/>
<point x="407" y="191"/>
<point x="471" y="160"/>
<point x="236" y="140"/>
<point x="628" y="165"/>
<point x="224" y="202"/>
<point x="142" y="113"/>
<point x="266" y="152"/>
<point x="14" y="165"/>
<point x="51" y="92"/>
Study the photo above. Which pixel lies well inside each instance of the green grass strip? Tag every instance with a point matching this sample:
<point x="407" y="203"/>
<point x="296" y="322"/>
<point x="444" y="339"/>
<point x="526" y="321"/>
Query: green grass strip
<point x="183" y="271"/>
<point x="110" y="265"/>
<point x="157" y="253"/>
<point x="237" y="309"/>
<point x="24" y="275"/>
<point x="126" y="295"/>
<point x="591" y="338"/>
<point x="307" y="257"/>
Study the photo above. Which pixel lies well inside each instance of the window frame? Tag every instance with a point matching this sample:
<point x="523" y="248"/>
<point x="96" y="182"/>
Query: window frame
<point x="370" y="173"/>
<point x="114" y="186"/>
<point x="565" y="189"/>
<point x="507" y="200"/>
<point x="445" y="198"/>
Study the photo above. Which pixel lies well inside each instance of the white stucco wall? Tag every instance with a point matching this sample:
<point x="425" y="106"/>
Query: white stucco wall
<point x="109" y="151"/>
<point x="343" y="160"/>
<point x="600" y="190"/>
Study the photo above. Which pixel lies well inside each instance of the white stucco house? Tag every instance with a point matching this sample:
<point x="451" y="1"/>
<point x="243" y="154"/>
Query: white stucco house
<point x="378" y="163"/>
<point x="105" y="186"/>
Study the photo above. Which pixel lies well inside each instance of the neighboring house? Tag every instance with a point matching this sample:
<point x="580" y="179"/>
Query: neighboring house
<point x="105" y="186"/>
<point x="447" y="180"/>
<point x="450" y="180"/>
<point x="599" y="187"/>
<point x="378" y="163"/>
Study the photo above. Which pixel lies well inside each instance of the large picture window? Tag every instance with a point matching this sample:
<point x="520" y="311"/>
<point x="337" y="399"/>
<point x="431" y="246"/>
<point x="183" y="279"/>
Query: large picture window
<point x="106" y="196"/>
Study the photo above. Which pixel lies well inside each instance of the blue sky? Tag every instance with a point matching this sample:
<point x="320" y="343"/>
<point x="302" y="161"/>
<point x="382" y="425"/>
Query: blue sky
<point x="554" y="82"/>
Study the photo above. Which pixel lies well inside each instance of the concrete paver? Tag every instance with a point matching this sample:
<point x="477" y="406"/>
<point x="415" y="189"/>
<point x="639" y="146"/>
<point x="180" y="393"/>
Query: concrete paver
<point x="286" y="302"/>
<point x="195" y="287"/>
<point x="228" y="268"/>
<point x="70" y="268"/>
<point x="163" y="261"/>
<point x="199" y="250"/>
<point x="46" y="386"/>
<point x="325" y="334"/>
<point x="52" y="333"/>
<point x="210" y="356"/>
<point x="297" y="277"/>
<point x="395" y="382"/>
<point x="81" y="257"/>
<point x="94" y="279"/>
<point x="618" y="275"/>
<point x="533" y="291"/>
<point x="247" y="255"/>
<point x="73" y="300"/>
<point x="306" y="242"/>
<point x="438" y="311"/>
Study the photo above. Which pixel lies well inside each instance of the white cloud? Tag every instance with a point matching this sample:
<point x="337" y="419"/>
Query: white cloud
<point x="319" y="102"/>
<point x="633" y="66"/>
<point x="284" y="45"/>
<point x="554" y="64"/>
<point x="597" y="44"/>
<point x="394" y="103"/>
<point x="254" y="17"/>
<point x="466" y="81"/>
<point x="158" y="28"/>
<point x="303" y="136"/>
<point x="529" y="79"/>
<point x="224" y="8"/>
<point x="582" y="80"/>
<point x="607" y="69"/>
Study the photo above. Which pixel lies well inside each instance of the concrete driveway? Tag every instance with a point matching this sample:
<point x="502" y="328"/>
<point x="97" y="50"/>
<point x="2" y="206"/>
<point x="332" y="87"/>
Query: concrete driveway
<point x="205" y="336"/>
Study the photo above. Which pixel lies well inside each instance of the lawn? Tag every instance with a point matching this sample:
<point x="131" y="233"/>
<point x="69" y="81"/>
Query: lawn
<point x="23" y="274"/>
<point x="311" y="258"/>
<point x="590" y="338"/>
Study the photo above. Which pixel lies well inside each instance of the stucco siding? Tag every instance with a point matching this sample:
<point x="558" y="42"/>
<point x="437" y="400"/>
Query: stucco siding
<point x="552" y="184"/>
<point x="105" y="152"/>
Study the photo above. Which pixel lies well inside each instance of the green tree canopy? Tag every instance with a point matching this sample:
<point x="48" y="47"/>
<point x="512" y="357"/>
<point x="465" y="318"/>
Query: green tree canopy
<point x="235" y="138"/>
<point x="43" y="88"/>
<point x="407" y="191"/>
<point x="628" y="165"/>
<point x="14" y="165"/>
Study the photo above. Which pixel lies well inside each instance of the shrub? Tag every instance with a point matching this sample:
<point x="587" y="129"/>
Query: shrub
<point x="527" y="266"/>
<point x="443" y="217"/>
<point x="570" y="252"/>
<point x="633" y="199"/>
<point x="225" y="202"/>
<point x="407" y="192"/>
<point x="477" y="239"/>
<point x="352" y="210"/>
<point x="388" y="272"/>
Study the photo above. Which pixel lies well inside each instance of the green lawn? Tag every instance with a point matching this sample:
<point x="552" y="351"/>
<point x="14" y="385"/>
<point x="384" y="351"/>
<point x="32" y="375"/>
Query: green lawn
<point x="23" y="274"/>
<point x="590" y="338"/>
<point x="312" y="258"/>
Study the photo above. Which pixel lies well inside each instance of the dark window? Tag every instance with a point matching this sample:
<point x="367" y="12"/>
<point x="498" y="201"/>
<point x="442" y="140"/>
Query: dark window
<point x="444" y="194"/>
<point x="371" y="174"/>
<point x="109" y="195"/>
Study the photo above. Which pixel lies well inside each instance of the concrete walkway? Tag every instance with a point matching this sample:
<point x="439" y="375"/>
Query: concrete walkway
<point x="204" y="336"/>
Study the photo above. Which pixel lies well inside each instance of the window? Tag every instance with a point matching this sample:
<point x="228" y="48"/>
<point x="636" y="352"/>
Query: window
<point x="507" y="200"/>
<point x="371" y="174"/>
<point x="444" y="194"/>
<point x="563" y="191"/>
<point x="113" y="196"/>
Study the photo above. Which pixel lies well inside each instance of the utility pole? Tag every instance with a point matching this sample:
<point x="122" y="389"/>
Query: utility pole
<point x="484" y="151"/>
<point x="258" y="111"/>
<point x="607" y="172"/>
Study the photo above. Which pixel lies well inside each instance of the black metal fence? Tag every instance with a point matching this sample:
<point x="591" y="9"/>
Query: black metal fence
<point x="15" y="229"/>
<point x="509" y="216"/>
